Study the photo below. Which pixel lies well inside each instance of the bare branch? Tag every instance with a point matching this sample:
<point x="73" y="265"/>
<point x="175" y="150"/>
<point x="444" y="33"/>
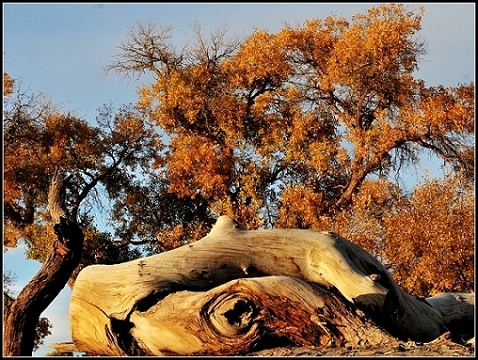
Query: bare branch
<point x="145" y="49"/>
<point x="56" y="196"/>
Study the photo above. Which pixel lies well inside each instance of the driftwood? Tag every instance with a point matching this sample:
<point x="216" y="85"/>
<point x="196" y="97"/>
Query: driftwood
<point x="236" y="290"/>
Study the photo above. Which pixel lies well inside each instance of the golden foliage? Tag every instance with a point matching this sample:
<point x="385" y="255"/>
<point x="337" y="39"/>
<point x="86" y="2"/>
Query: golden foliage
<point x="197" y="166"/>
<point x="305" y="128"/>
<point x="39" y="138"/>
<point x="429" y="241"/>
<point x="290" y="129"/>
<point x="8" y="84"/>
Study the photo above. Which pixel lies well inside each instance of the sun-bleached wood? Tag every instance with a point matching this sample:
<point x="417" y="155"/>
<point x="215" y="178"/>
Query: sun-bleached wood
<point x="156" y="305"/>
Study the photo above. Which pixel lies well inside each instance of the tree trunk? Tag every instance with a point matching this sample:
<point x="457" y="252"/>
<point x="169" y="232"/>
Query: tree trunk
<point x="237" y="289"/>
<point x="21" y="315"/>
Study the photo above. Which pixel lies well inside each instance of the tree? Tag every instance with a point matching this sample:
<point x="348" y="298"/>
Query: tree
<point x="444" y="251"/>
<point x="53" y="166"/>
<point x="98" y="160"/>
<point x="308" y="128"/>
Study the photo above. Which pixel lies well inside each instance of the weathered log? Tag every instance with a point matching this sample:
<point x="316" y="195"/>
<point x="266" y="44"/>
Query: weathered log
<point x="243" y="315"/>
<point x="114" y="308"/>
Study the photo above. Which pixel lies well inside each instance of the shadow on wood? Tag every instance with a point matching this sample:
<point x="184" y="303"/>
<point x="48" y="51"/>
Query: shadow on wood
<point x="238" y="290"/>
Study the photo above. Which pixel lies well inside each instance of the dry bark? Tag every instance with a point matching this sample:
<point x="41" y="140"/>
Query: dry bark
<point x="235" y="290"/>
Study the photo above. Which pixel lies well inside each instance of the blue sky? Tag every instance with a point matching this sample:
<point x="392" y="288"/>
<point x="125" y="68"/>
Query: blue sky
<point x="62" y="49"/>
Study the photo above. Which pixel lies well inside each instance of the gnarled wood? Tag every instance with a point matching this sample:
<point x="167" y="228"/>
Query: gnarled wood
<point x="155" y="305"/>
<point x="239" y="316"/>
